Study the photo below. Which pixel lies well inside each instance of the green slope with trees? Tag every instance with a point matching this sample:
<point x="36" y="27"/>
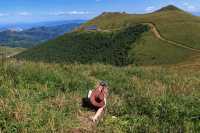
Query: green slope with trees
<point x="88" y="47"/>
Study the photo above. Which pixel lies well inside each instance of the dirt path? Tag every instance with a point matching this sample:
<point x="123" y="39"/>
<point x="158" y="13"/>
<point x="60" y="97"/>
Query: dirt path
<point x="159" y="36"/>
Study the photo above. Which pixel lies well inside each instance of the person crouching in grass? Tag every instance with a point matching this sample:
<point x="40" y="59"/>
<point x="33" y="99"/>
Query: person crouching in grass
<point x="96" y="99"/>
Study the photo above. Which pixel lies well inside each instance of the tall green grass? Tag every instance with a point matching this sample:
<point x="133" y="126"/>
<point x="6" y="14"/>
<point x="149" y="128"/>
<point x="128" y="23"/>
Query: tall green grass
<point x="41" y="97"/>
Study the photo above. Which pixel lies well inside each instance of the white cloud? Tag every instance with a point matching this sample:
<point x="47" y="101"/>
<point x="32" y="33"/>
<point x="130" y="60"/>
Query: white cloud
<point x="24" y="14"/>
<point x="3" y="14"/>
<point x="189" y="7"/>
<point x="185" y="4"/>
<point x="78" y="12"/>
<point x="70" y="13"/>
<point x="150" y="8"/>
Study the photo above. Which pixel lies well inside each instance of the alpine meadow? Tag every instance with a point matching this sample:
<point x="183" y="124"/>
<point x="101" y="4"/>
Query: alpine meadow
<point x="150" y="61"/>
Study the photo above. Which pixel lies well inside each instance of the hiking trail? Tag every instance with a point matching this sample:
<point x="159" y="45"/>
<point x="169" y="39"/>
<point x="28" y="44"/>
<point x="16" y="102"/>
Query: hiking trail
<point x="160" y="37"/>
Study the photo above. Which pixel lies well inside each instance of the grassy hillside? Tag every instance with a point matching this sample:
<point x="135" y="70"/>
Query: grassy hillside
<point x="38" y="97"/>
<point x="89" y="47"/>
<point x="150" y="50"/>
<point x="173" y="24"/>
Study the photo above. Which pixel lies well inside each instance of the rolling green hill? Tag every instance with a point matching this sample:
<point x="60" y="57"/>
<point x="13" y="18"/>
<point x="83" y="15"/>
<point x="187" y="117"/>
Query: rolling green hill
<point x="88" y="47"/>
<point x="173" y="37"/>
<point x="172" y="22"/>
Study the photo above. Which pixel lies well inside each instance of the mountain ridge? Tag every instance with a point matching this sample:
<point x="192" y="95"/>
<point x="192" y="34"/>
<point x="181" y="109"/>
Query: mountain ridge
<point x="28" y="25"/>
<point x="169" y="8"/>
<point x="181" y="38"/>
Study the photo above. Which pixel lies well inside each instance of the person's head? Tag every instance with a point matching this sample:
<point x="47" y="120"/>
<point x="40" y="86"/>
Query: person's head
<point x="103" y="85"/>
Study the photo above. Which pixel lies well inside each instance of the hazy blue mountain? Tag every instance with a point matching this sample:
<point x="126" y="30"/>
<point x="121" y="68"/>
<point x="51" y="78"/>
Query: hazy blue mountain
<point x="196" y="13"/>
<point x="38" y="24"/>
<point x="16" y="37"/>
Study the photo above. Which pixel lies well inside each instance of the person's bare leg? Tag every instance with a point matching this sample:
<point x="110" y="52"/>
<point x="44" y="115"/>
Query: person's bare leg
<point x="98" y="114"/>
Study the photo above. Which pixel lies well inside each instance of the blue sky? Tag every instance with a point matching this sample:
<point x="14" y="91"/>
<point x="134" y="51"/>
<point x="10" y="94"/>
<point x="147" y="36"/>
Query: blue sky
<point x="47" y="10"/>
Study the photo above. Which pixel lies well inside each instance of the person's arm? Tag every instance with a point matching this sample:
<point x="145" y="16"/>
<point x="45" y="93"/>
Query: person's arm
<point x="89" y="93"/>
<point x="99" y="112"/>
<point x="106" y="92"/>
<point x="105" y="102"/>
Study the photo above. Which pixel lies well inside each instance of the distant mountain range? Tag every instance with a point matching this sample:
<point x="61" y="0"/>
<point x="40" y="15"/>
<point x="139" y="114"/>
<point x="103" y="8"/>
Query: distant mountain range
<point x="37" y="24"/>
<point x="196" y="13"/>
<point x="20" y="36"/>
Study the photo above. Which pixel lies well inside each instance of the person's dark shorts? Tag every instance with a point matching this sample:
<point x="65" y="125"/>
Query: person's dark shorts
<point x="87" y="104"/>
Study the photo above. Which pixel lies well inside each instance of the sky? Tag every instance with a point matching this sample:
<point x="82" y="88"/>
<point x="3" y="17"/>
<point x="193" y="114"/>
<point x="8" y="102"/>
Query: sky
<point x="14" y="11"/>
